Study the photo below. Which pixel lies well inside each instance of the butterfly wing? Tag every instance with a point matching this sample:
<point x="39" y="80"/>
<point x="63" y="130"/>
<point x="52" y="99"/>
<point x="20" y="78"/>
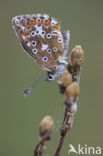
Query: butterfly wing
<point x="66" y="38"/>
<point x="41" y="38"/>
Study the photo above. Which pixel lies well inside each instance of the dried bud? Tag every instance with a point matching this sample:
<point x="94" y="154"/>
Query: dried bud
<point x="46" y="125"/>
<point x="72" y="90"/>
<point x="66" y="78"/>
<point x="77" y="55"/>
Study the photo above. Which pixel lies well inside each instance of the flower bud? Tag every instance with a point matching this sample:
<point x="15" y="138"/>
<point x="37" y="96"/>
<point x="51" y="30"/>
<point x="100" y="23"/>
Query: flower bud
<point x="46" y="125"/>
<point x="72" y="90"/>
<point x="77" y="55"/>
<point x="66" y="78"/>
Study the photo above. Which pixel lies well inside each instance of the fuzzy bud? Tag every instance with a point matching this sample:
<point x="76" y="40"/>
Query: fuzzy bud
<point x="66" y="78"/>
<point x="77" y="55"/>
<point x="72" y="90"/>
<point x="46" y="126"/>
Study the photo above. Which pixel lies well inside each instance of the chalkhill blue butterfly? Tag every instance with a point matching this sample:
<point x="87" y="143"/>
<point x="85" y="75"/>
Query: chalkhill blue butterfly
<point x="41" y="38"/>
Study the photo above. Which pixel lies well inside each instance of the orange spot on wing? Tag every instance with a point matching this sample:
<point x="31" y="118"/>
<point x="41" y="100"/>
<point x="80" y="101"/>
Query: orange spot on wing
<point x="28" y="26"/>
<point x="39" y="23"/>
<point x="25" y="40"/>
<point x="32" y="22"/>
<point x="26" y="32"/>
<point x="29" y="23"/>
<point x="56" y="26"/>
<point x="47" y="22"/>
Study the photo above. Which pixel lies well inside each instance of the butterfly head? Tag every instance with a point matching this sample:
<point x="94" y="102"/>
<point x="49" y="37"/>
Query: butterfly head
<point x="57" y="71"/>
<point x="50" y="77"/>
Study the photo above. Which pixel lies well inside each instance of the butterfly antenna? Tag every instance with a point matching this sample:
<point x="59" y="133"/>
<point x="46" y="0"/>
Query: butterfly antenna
<point x="27" y="91"/>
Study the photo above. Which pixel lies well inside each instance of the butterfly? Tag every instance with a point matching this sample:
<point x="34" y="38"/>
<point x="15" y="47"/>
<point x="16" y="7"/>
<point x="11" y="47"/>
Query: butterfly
<point x="42" y="39"/>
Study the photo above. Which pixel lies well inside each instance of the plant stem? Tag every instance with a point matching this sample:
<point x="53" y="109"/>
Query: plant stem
<point x="39" y="149"/>
<point x="65" y="128"/>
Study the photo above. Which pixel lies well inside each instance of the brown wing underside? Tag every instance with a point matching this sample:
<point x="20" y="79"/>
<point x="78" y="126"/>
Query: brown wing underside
<point x="26" y="25"/>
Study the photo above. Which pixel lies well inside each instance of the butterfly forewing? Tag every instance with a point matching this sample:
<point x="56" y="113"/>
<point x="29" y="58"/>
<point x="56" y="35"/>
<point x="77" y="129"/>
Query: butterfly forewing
<point x="41" y="38"/>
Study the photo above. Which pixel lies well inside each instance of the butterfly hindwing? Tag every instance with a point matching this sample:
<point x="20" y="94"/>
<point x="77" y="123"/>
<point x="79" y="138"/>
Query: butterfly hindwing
<point x="66" y="38"/>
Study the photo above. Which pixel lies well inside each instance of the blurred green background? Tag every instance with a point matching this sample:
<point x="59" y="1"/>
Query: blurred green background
<point x="19" y="116"/>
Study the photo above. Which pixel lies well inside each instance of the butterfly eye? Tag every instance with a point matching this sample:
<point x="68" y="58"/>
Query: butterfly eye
<point x="48" y="35"/>
<point x="54" y="49"/>
<point x="33" y="43"/>
<point x="59" y="40"/>
<point x="45" y="58"/>
<point x="32" y="33"/>
<point x="34" y="51"/>
<point x="50" y="77"/>
<point x="49" y="50"/>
